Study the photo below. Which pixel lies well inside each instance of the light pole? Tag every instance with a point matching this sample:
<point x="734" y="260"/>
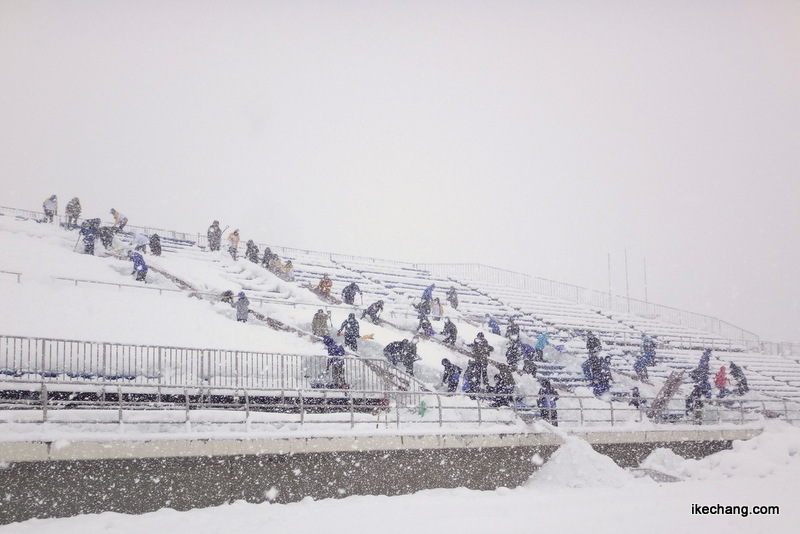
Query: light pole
<point x="627" y="284"/>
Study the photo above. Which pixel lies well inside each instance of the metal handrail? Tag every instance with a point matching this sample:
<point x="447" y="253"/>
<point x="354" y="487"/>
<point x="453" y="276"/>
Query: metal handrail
<point x="258" y="300"/>
<point x="590" y="297"/>
<point x="18" y="275"/>
<point x="672" y="341"/>
<point x="97" y="362"/>
<point x="461" y="412"/>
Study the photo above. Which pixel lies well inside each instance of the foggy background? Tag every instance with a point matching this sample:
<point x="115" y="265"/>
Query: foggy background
<point x="533" y="136"/>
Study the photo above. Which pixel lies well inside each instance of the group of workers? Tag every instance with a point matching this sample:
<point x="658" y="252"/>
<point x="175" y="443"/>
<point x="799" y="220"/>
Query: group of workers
<point x="269" y="260"/>
<point x="91" y="229"/>
<point x="597" y="368"/>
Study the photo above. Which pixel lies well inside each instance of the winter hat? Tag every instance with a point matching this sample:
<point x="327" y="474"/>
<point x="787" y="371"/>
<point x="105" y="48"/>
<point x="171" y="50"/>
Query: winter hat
<point x="241" y="294"/>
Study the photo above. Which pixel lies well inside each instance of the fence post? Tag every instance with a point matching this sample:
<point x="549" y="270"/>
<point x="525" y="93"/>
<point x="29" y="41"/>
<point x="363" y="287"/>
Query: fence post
<point x="611" y="405"/>
<point x="397" y="413"/>
<point x="439" y="400"/>
<point x="43" y="396"/>
<point x="43" y="352"/>
<point x="352" y="411"/>
<point x="160" y="367"/>
<point x="302" y="407"/>
<point x="104" y="365"/>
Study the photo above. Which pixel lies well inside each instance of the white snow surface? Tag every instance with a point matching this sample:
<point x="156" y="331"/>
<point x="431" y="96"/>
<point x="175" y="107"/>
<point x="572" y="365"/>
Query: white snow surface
<point x="577" y="490"/>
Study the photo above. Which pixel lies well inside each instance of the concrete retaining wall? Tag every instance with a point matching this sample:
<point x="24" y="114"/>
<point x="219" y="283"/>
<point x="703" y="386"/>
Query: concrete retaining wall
<point x="57" y="479"/>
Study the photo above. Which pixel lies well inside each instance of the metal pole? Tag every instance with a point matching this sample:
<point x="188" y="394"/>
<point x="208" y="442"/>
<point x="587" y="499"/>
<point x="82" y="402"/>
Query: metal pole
<point x="43" y="398"/>
<point x="627" y="285"/>
<point x="609" y="280"/>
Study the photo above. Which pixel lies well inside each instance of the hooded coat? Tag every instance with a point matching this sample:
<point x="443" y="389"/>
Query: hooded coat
<point x="242" y="308"/>
<point x="319" y="325"/>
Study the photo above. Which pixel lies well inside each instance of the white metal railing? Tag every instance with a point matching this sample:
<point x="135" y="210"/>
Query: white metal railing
<point x="589" y="297"/>
<point x="161" y="405"/>
<point x="108" y="363"/>
<point x="259" y="301"/>
<point x="784" y="349"/>
<point x="677" y="341"/>
<point x="670" y="341"/>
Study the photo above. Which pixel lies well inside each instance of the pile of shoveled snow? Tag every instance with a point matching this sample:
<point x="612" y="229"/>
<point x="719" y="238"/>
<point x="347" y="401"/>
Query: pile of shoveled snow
<point x="776" y="451"/>
<point x="577" y="465"/>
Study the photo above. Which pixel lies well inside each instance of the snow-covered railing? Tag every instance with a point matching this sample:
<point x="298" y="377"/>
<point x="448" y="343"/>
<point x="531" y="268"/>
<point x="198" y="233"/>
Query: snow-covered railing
<point x="246" y="408"/>
<point x="62" y="219"/>
<point x="479" y="272"/>
<point x="785" y="349"/>
<point x="676" y="341"/>
<point x="109" y="363"/>
<point x="613" y="338"/>
<point x="258" y="301"/>
<point x="588" y="297"/>
<point x="12" y="273"/>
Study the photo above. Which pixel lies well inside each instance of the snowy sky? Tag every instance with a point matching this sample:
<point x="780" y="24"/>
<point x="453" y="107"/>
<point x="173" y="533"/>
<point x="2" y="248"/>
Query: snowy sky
<point x="536" y="136"/>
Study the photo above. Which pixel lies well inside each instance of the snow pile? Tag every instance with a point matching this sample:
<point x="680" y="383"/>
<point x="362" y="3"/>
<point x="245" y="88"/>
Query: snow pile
<point x="776" y="451"/>
<point x="577" y="465"/>
<point x="666" y="461"/>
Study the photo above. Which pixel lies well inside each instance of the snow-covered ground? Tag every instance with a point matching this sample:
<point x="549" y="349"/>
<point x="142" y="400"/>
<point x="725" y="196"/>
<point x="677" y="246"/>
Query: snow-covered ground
<point x="577" y="490"/>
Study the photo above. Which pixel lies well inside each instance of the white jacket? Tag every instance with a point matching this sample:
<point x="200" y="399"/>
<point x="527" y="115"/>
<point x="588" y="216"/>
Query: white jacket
<point x="139" y="239"/>
<point x="51" y="205"/>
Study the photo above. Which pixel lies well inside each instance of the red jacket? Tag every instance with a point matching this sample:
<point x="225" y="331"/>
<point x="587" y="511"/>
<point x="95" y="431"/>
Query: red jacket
<point x="721" y="380"/>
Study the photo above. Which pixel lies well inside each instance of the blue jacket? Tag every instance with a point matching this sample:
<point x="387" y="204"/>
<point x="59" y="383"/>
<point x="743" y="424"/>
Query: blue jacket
<point x="138" y="262"/>
<point x="542" y="341"/>
<point x="428" y="293"/>
<point x="334" y="349"/>
<point x="493" y="325"/>
<point x="527" y="351"/>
